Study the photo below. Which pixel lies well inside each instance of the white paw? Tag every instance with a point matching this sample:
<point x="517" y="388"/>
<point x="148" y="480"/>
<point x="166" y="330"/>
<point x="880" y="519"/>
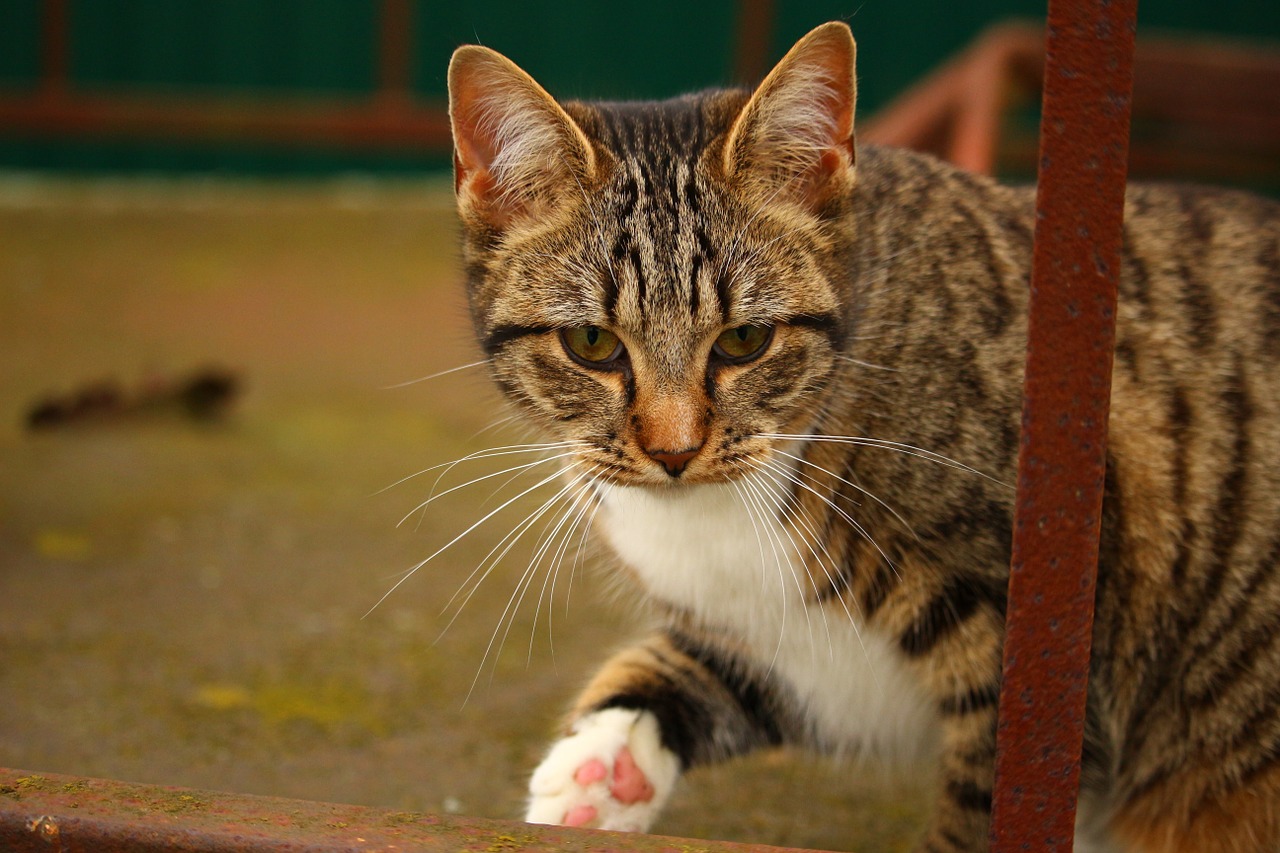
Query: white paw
<point x="611" y="773"/>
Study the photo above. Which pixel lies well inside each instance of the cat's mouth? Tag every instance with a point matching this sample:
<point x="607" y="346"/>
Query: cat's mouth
<point x="675" y="470"/>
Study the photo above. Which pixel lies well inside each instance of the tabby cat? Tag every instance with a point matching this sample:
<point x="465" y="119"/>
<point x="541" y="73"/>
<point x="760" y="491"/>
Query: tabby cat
<point x="785" y="373"/>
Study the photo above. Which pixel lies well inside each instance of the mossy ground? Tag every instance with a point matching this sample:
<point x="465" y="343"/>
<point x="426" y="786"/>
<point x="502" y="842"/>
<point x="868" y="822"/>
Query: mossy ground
<point x="185" y="604"/>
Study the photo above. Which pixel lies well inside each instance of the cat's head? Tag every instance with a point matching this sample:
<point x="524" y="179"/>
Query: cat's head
<point x="660" y="282"/>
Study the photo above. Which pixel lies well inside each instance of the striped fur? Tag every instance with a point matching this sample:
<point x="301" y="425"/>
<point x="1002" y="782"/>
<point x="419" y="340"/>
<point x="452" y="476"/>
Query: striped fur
<point x="837" y="527"/>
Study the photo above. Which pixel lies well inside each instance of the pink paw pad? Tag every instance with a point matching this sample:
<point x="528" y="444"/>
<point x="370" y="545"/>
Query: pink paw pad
<point x="627" y="785"/>
<point x="591" y="772"/>
<point x="630" y="785"/>
<point x="579" y="816"/>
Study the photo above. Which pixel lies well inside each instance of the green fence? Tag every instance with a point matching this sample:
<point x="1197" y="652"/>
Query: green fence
<point x="329" y="48"/>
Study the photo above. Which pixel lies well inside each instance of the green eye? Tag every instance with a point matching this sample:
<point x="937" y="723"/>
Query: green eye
<point x="742" y="343"/>
<point x="591" y="346"/>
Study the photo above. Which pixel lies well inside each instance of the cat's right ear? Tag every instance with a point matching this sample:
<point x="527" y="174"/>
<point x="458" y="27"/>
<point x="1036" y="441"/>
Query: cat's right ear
<point x="793" y="141"/>
<point x="514" y="148"/>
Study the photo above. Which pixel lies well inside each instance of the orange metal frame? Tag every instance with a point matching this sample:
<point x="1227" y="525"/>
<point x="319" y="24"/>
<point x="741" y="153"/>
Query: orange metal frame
<point x="1201" y="107"/>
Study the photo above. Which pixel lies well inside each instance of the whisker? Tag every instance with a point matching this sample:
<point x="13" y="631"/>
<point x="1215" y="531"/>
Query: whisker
<point x="543" y="546"/>
<point x="594" y="502"/>
<point x="812" y="542"/>
<point x="851" y="360"/>
<point x="809" y="523"/>
<point x="517" y="468"/>
<point x="456" y="539"/>
<point x="853" y="522"/>
<point x="584" y="507"/>
<point x="747" y="506"/>
<point x="498" y="424"/>
<point x="765" y="495"/>
<point x="852" y="484"/>
<point x="896" y="446"/>
<point x="522" y="586"/>
<point x="780" y="474"/>
<point x="506" y="450"/>
<point x="437" y="375"/>
<point x="499" y="551"/>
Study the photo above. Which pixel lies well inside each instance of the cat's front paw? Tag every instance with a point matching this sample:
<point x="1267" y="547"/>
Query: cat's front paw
<point x="612" y="772"/>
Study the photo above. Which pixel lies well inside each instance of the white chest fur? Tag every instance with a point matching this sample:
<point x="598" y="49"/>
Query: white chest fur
<point x="720" y="552"/>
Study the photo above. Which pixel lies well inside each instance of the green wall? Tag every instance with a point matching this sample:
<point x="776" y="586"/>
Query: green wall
<point x="576" y="49"/>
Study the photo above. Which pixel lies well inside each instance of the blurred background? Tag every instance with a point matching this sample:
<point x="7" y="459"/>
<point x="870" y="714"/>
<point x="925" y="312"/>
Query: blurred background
<point x="232" y="330"/>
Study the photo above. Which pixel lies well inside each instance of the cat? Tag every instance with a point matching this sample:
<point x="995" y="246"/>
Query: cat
<point x="785" y="372"/>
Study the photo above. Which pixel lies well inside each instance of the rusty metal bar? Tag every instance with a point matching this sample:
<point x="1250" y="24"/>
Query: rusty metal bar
<point x="1066" y="399"/>
<point x="55" y="47"/>
<point x="74" y="814"/>
<point x="356" y="124"/>
<point x="395" y="51"/>
<point x="755" y="37"/>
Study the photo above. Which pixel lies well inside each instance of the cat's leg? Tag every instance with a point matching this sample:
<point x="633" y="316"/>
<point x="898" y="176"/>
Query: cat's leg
<point x="962" y="807"/>
<point x="652" y="711"/>
<point x="954" y="642"/>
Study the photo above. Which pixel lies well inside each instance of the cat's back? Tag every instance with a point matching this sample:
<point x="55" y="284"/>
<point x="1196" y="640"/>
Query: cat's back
<point x="1205" y="264"/>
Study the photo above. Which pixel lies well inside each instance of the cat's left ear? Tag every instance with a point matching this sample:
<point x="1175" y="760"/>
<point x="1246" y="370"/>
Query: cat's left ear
<point x="793" y="140"/>
<point x="515" y="150"/>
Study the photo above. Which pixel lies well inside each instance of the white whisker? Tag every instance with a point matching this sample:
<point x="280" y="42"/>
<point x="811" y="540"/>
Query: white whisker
<point x="851" y="484"/>
<point x="896" y="446"/>
<point x="507" y="450"/>
<point x="522" y="585"/>
<point x="458" y="538"/>
<point x="499" y="551"/>
<point x="809" y="522"/>
<point x="409" y="382"/>
<point x="853" y="522"/>
<point x="770" y="496"/>
<point x="584" y="506"/>
<point x="562" y="529"/>
<point x="851" y="360"/>
<point x="747" y="505"/>
<point x="517" y="468"/>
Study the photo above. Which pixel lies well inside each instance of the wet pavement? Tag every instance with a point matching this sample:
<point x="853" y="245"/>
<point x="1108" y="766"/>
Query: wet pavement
<point x="200" y="602"/>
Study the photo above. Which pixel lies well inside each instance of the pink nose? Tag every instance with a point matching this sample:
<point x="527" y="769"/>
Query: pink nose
<point x="673" y="461"/>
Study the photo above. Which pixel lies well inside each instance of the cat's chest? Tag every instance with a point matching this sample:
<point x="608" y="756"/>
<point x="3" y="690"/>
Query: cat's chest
<point x="720" y="553"/>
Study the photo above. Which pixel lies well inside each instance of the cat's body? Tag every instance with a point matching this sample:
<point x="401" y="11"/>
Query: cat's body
<point x="711" y="295"/>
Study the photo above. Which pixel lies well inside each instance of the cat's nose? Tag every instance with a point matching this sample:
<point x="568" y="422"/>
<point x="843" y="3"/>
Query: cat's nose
<point x="673" y="461"/>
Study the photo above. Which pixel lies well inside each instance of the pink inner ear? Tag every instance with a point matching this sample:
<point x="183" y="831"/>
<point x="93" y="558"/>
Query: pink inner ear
<point x="473" y="150"/>
<point x="472" y="155"/>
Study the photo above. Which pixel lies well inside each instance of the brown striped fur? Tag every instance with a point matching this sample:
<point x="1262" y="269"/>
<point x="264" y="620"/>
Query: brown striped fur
<point x="895" y="287"/>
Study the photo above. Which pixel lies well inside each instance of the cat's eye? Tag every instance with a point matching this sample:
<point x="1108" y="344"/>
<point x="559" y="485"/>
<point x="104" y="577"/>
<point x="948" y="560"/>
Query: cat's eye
<point x="742" y="343"/>
<point x="591" y="346"/>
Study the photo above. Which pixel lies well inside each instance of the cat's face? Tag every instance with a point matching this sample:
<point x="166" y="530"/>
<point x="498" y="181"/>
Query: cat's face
<point x="654" y="283"/>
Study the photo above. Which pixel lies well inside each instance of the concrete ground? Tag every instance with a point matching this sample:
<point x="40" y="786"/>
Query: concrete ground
<point x="185" y="603"/>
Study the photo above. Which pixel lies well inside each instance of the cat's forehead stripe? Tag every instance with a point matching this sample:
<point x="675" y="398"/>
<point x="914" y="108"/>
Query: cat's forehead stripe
<point x="662" y="250"/>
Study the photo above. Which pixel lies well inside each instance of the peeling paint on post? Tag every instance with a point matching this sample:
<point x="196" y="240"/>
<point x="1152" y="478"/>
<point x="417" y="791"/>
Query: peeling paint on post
<point x="1084" y="136"/>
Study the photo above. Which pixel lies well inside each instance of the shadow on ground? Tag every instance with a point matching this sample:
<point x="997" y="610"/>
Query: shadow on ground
<point x="185" y="603"/>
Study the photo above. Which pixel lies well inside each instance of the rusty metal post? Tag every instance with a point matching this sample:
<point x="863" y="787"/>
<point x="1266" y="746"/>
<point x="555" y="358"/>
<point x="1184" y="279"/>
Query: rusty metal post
<point x="55" y="62"/>
<point x="1084" y="137"/>
<point x="395" y="51"/>
<point x="755" y="35"/>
